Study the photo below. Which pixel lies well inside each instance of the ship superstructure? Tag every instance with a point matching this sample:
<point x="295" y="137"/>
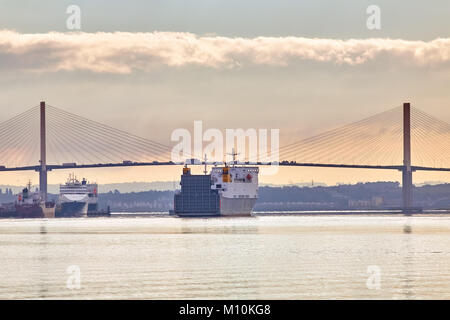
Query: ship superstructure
<point x="237" y="187"/>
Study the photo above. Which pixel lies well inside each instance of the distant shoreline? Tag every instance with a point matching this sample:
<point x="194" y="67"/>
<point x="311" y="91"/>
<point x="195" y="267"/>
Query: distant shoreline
<point x="299" y="213"/>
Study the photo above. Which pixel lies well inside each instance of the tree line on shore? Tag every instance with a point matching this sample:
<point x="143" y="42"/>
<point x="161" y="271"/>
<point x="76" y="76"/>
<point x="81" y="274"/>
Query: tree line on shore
<point x="371" y="195"/>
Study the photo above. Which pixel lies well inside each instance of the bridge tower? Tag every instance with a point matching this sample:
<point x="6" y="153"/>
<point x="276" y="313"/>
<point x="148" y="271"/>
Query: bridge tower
<point x="407" y="186"/>
<point x="43" y="161"/>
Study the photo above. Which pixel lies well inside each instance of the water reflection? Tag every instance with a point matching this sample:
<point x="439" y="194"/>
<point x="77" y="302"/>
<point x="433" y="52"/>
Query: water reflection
<point x="220" y="229"/>
<point x="407" y="281"/>
<point x="219" y="226"/>
<point x="407" y="229"/>
<point x="277" y="257"/>
<point x="43" y="261"/>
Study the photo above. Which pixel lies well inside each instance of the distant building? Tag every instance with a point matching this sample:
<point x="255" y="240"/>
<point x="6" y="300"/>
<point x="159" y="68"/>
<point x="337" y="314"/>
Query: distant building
<point x="357" y="204"/>
<point x="375" y="202"/>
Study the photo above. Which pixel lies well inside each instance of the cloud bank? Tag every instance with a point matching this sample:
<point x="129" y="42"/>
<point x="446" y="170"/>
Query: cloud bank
<point x="125" y="52"/>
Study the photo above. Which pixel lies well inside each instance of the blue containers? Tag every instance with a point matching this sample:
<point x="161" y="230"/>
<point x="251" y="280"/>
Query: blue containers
<point x="196" y="197"/>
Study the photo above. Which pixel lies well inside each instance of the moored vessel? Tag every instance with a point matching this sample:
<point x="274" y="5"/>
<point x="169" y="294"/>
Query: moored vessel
<point x="31" y="205"/>
<point x="74" y="198"/>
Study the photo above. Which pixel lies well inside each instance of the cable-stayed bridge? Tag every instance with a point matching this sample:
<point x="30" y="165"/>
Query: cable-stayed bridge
<point x="403" y="138"/>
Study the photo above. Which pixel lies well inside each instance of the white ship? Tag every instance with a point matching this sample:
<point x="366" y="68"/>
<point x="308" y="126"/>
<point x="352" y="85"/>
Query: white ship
<point x="226" y="191"/>
<point x="76" y="198"/>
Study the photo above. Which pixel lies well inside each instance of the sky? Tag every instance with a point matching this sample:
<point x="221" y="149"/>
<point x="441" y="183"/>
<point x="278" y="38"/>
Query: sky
<point x="150" y="67"/>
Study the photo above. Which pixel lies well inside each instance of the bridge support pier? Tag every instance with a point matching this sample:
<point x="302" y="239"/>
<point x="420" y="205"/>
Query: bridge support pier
<point x="407" y="186"/>
<point x="43" y="161"/>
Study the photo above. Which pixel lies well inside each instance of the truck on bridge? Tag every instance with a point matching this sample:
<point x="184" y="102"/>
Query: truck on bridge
<point x="69" y="164"/>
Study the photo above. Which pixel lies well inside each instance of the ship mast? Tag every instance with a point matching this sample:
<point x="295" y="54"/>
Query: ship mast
<point x="234" y="154"/>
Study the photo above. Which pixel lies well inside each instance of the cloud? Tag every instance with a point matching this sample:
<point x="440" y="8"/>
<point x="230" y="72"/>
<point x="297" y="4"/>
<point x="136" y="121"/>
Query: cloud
<point x="125" y="52"/>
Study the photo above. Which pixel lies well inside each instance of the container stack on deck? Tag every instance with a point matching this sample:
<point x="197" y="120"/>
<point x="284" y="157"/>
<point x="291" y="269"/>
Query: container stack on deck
<point x="196" y="197"/>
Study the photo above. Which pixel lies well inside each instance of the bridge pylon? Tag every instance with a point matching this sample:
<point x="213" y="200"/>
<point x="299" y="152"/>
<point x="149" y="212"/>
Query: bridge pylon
<point x="407" y="186"/>
<point x="43" y="161"/>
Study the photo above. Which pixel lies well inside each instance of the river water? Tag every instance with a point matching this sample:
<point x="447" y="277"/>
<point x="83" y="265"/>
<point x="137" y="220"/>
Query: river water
<point x="264" y="257"/>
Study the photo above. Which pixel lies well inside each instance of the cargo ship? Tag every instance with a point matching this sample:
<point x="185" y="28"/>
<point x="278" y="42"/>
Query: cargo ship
<point x="76" y="198"/>
<point x="226" y="191"/>
<point x="31" y="205"/>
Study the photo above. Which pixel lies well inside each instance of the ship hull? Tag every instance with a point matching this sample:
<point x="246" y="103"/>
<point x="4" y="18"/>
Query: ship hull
<point x="92" y="207"/>
<point x="73" y="209"/>
<point x="227" y="208"/>
<point x="236" y="207"/>
<point x="28" y="211"/>
<point x="48" y="209"/>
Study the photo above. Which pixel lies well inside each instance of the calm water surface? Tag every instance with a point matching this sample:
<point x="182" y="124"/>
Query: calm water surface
<point x="266" y="257"/>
